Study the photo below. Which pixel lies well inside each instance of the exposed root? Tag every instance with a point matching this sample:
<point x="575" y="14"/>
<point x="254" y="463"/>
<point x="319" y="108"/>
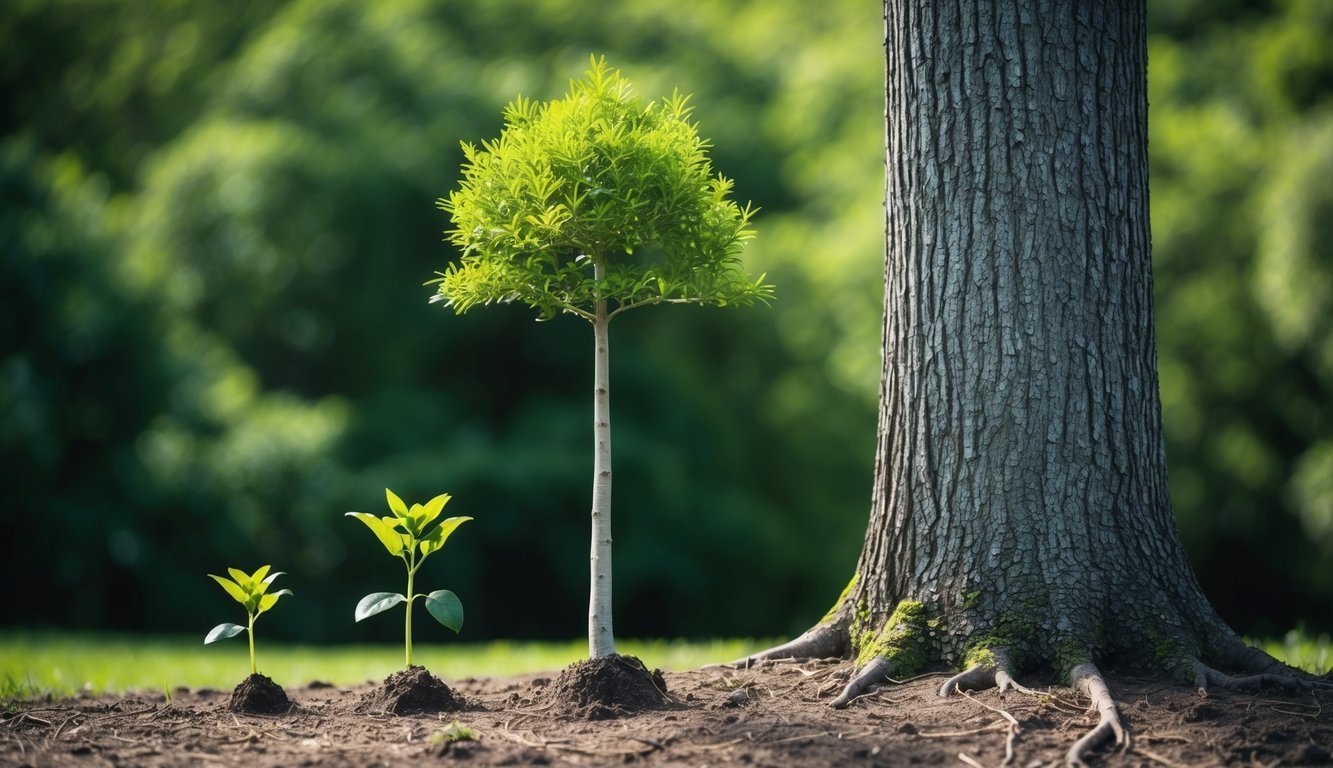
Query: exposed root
<point x="1205" y="676"/>
<point x="1256" y="662"/>
<point x="817" y="643"/>
<point x="983" y="676"/>
<point x="877" y="671"/>
<point x="1086" y="679"/>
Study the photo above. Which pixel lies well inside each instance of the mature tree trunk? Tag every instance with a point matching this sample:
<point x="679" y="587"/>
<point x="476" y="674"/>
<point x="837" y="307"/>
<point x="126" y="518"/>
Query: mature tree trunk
<point x="1019" y="513"/>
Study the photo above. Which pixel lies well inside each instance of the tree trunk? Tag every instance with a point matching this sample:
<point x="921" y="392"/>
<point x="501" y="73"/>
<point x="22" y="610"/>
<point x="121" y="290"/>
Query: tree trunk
<point x="1019" y="512"/>
<point x="601" y="640"/>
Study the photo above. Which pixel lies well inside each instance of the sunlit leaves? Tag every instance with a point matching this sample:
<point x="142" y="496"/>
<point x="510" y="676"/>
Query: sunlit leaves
<point x="382" y="530"/>
<point x="598" y="176"/>
<point x="413" y="534"/>
<point x="251" y="591"/>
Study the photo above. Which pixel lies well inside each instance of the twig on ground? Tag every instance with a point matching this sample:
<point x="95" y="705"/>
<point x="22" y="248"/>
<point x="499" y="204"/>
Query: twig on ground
<point x="969" y="761"/>
<point x="1151" y="755"/>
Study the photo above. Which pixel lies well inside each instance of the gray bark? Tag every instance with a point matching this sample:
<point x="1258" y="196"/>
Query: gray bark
<point x="1020" y="487"/>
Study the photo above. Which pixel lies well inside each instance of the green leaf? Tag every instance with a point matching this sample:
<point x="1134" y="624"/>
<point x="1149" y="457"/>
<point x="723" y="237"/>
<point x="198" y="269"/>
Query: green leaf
<point x="396" y="504"/>
<point x="391" y="540"/>
<point x="222" y="632"/>
<point x="242" y="578"/>
<point x="237" y="593"/>
<point x="268" y="601"/>
<point x="258" y="576"/>
<point x="377" y="602"/>
<point x="446" y="608"/>
<point x="263" y="586"/>
<point x="434" y="541"/>
<point x="430" y="511"/>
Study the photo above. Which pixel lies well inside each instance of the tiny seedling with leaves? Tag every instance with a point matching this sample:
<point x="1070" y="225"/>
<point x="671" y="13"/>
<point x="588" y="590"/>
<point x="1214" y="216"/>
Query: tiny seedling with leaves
<point x="408" y="534"/>
<point x="251" y="591"/>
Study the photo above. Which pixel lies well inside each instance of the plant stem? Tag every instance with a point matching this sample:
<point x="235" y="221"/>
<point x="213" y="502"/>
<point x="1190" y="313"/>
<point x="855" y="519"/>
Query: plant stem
<point x="601" y="640"/>
<point x="411" y="575"/>
<point x="251" y="633"/>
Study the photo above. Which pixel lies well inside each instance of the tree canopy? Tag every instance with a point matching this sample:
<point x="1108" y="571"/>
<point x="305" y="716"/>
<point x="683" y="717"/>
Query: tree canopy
<point x="597" y="177"/>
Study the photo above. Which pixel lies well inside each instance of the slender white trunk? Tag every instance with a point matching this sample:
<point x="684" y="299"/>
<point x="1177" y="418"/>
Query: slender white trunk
<point x="601" y="641"/>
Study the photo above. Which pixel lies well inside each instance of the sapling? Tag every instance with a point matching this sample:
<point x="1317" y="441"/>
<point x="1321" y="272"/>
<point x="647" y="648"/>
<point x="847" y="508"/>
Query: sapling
<point x="252" y="592"/>
<point x="408" y="534"/>
<point x="593" y="205"/>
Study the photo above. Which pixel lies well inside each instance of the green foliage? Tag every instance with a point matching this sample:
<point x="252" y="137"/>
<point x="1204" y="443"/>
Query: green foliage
<point x="456" y="731"/>
<point x="212" y="220"/>
<point x="596" y="178"/>
<point x="251" y="591"/>
<point x="409" y="534"/>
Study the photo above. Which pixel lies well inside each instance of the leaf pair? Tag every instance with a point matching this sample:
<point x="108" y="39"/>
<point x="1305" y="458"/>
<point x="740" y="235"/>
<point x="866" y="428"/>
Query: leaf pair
<point x="443" y="605"/>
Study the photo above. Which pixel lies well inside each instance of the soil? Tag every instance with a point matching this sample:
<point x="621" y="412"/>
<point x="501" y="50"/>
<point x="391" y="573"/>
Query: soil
<point x="606" y="688"/>
<point x="412" y="691"/>
<point x="258" y="695"/>
<point x="776" y="714"/>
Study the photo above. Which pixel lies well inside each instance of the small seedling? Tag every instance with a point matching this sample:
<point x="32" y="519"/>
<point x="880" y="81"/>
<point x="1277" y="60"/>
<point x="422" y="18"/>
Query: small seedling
<point x="405" y="535"/>
<point x="252" y="592"/>
<point x="454" y="733"/>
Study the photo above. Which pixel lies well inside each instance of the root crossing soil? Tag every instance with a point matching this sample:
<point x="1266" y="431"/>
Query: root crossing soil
<point x="776" y="714"/>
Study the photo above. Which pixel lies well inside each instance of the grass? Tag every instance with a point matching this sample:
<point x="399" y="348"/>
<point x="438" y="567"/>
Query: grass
<point x="33" y="663"/>
<point x="1312" y="654"/>
<point x="59" y="663"/>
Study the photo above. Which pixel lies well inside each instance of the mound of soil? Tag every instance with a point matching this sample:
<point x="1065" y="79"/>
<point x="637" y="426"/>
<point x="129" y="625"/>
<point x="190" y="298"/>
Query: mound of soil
<point x="258" y="695"/>
<point x="609" y="687"/>
<point x="409" y="692"/>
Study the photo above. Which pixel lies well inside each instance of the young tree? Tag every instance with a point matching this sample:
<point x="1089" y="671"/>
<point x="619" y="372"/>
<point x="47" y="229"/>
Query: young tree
<point x="593" y="205"/>
<point x="1019" y="511"/>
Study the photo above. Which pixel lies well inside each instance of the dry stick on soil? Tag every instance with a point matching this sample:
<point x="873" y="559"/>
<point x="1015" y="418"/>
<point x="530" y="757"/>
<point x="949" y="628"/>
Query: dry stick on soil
<point x="969" y="761"/>
<point x="1013" y="729"/>
<point x="1086" y="679"/>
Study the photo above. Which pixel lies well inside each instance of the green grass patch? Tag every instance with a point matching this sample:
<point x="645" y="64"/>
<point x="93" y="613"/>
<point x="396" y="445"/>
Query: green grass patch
<point x="34" y="663"/>
<point x="1312" y="654"/>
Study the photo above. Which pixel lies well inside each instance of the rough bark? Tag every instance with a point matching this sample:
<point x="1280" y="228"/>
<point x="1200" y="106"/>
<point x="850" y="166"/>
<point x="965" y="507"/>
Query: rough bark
<point x="601" y="640"/>
<point x="1019" y="501"/>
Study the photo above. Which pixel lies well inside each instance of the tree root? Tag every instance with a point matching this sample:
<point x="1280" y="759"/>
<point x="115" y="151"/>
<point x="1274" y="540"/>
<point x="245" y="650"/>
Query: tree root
<point x="877" y="671"/>
<point x="1086" y="679"/>
<point x="817" y="643"/>
<point x="1205" y="676"/>
<point x="1256" y="662"/>
<point x="983" y="676"/>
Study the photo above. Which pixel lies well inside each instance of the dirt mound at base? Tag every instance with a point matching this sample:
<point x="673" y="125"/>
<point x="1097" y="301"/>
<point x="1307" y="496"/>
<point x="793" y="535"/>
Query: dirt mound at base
<point x="612" y="686"/>
<point x="411" y="691"/>
<point x="258" y="695"/>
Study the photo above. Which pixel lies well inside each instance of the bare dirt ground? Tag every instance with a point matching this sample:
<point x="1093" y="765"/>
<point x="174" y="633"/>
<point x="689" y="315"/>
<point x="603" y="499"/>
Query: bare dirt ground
<point x="773" y="715"/>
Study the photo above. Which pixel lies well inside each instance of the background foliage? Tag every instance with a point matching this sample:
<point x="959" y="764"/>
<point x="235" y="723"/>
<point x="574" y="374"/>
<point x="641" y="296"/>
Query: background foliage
<point x="215" y="223"/>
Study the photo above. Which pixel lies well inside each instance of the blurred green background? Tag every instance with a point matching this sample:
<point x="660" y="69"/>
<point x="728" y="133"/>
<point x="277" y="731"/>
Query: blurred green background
<point x="214" y="337"/>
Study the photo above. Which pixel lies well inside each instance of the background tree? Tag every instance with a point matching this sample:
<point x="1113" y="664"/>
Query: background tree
<point x="1019" y="512"/>
<point x="594" y="205"/>
<point x="215" y="220"/>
